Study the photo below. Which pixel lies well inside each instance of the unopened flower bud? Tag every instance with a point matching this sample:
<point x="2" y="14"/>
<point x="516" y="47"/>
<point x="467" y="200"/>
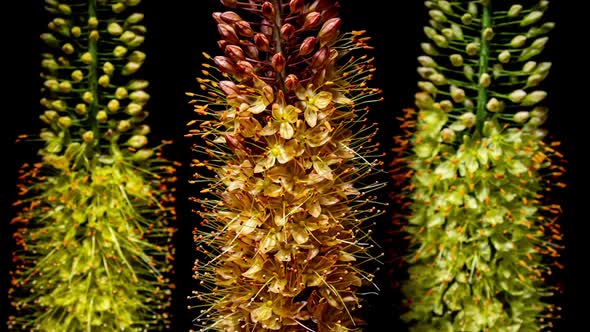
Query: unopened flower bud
<point x="59" y="105"/>
<point x="81" y="109"/>
<point x="504" y="56"/>
<point x="531" y="18"/>
<point x="113" y="105"/>
<point x="130" y="68"/>
<point x="76" y="32"/>
<point x="92" y="22"/>
<point x="143" y="129"/>
<point x="448" y="135"/>
<point x="472" y="49"/>
<point x="312" y="20"/>
<point x="467" y="19"/>
<point x="307" y="46"/>
<point x="135" y="18"/>
<point x="441" y="41"/>
<point x="245" y="67"/>
<point x="115" y="29"/>
<point x="88" y="137"/>
<point x="119" y="51"/>
<point x="534" y="98"/>
<point x="291" y="82"/>
<point x="234" y="52"/>
<point x="427" y="61"/>
<point x="139" y="96"/>
<point x="262" y="42"/>
<point x="437" y="16"/>
<point x="118" y="7"/>
<point x="94" y="35"/>
<point x="65" y="87"/>
<point x="494" y="105"/>
<point x="521" y="117"/>
<point x="228" y="33"/>
<point x="424" y="101"/>
<point x="518" y="41"/>
<point x="138" y="85"/>
<point x="127" y="36"/>
<point x="52" y="84"/>
<point x="77" y="76"/>
<point x="64" y="9"/>
<point x="123" y="125"/>
<point x="88" y="97"/>
<point x="68" y="48"/>
<point x="278" y="62"/>
<point x="86" y="58"/>
<point x="320" y="58"/>
<point x="514" y="10"/>
<point x="143" y="154"/>
<point x="133" y="109"/>
<point x="229" y="88"/>
<point x="50" y="115"/>
<point x="230" y="17"/>
<point x="137" y="141"/>
<point x="243" y="28"/>
<point x="296" y="6"/>
<point x="101" y="116"/>
<point x="104" y="81"/>
<point x="456" y="60"/>
<point x="457" y="94"/>
<point x="485" y="80"/>
<point x="535" y="80"/>
<point x="268" y="10"/>
<point x="65" y="122"/>
<point x="517" y="96"/>
<point x="287" y="31"/>
<point x="468" y="119"/>
<point x="438" y="79"/>
<point x="427" y="87"/>
<point x="446" y="106"/>
<point x="429" y="49"/>
<point x="529" y="67"/>
<point x="469" y="72"/>
<point x="488" y="34"/>
<point x="329" y="30"/>
<point x="121" y="93"/>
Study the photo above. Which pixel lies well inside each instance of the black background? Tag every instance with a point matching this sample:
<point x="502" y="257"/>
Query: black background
<point x="180" y="30"/>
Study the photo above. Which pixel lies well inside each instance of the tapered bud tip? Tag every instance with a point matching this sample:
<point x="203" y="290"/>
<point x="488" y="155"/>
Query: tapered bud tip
<point x="424" y="101"/>
<point x="329" y="30"/>
<point x="224" y="64"/>
<point x="235" y="52"/>
<point x="531" y="18"/>
<point x="268" y="10"/>
<point x="296" y="6"/>
<point x="518" y="41"/>
<point x="534" y="98"/>
<point x="243" y="28"/>
<point x="521" y="117"/>
<point x="143" y="154"/>
<point x="135" y="18"/>
<point x="137" y="141"/>
<point x="262" y="42"/>
<point x="517" y="96"/>
<point x="228" y="33"/>
<point x="229" y="88"/>
<point x="291" y="82"/>
<point x="514" y="10"/>
<point x="278" y="62"/>
<point x="437" y="16"/>
<point x="307" y="46"/>
<point x="312" y="20"/>
<point x="88" y="137"/>
<point x="115" y="29"/>
<point x="320" y="58"/>
<point x="494" y="105"/>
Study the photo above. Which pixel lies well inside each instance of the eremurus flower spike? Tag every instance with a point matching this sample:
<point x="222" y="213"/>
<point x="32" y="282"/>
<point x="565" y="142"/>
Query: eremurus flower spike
<point x="93" y="236"/>
<point x="287" y="155"/>
<point x="482" y="225"/>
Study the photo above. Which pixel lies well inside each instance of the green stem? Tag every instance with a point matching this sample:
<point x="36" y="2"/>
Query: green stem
<point x="484" y="54"/>
<point x="93" y="73"/>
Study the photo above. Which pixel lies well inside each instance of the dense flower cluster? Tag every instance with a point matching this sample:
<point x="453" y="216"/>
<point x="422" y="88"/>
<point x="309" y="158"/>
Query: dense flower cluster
<point x="286" y="147"/>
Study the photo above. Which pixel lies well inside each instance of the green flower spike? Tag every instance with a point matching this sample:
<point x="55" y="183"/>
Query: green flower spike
<point x="94" y="242"/>
<point x="287" y="156"/>
<point x="483" y="232"/>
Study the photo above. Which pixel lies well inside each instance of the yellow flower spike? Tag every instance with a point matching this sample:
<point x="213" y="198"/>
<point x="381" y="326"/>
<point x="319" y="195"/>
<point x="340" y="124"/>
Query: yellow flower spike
<point x="94" y="246"/>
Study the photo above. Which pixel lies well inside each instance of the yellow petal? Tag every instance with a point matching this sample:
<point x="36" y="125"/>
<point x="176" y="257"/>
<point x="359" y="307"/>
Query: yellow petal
<point x="311" y="116"/>
<point x="323" y="99"/>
